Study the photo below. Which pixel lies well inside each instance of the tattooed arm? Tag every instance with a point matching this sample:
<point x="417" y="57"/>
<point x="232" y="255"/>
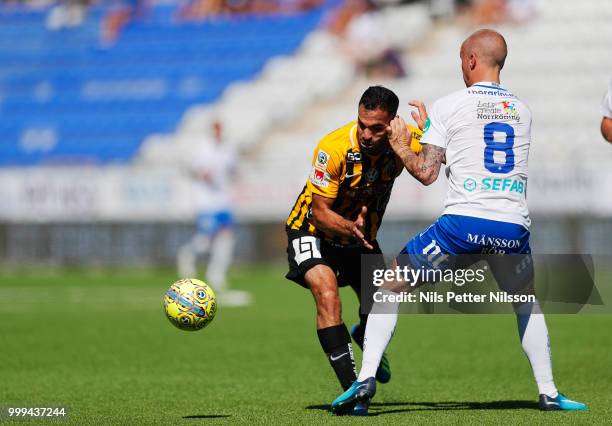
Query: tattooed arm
<point x="424" y="166"/>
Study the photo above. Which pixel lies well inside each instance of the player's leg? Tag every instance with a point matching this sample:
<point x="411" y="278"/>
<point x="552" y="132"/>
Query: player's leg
<point x="515" y="275"/>
<point x="221" y="251"/>
<point x="430" y="250"/>
<point x="222" y="248"/>
<point x="535" y="341"/>
<point x="309" y="266"/>
<point x="379" y="330"/>
<point x="351" y="269"/>
<point x="200" y="243"/>
<point x="188" y="253"/>
<point x="332" y="332"/>
<point x="427" y="249"/>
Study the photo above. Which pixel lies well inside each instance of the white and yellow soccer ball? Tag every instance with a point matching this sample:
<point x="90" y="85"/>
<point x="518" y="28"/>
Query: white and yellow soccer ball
<point x="190" y="304"/>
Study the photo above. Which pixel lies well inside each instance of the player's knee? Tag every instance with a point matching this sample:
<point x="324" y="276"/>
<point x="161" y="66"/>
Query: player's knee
<point x="328" y="299"/>
<point x="329" y="307"/>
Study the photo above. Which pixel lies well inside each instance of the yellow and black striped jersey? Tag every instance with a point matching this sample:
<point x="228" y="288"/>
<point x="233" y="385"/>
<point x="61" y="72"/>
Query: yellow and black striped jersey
<point x="340" y="171"/>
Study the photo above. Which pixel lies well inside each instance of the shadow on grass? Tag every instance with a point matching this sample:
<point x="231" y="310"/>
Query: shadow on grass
<point x="206" y="416"/>
<point x="378" y="408"/>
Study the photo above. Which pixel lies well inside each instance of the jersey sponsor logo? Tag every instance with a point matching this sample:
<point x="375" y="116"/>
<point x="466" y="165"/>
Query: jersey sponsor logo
<point x="509" y="107"/>
<point x="490" y="92"/>
<point x="485" y="240"/>
<point x="306" y="248"/>
<point x="319" y="177"/>
<point x="504" y="110"/>
<point x="353" y="157"/>
<point x="496" y="185"/>
<point x="371" y="175"/>
<point x="322" y="159"/>
<point x="470" y="184"/>
<point x="503" y="185"/>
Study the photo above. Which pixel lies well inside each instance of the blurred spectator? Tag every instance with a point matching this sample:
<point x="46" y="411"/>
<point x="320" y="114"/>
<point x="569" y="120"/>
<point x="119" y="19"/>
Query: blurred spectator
<point x="520" y="10"/>
<point x="201" y="9"/>
<point x="363" y="32"/>
<point x="488" y="11"/>
<point x="606" y="111"/>
<point x="119" y="16"/>
<point x="67" y="14"/>
<point x="30" y="4"/>
<point x="500" y="11"/>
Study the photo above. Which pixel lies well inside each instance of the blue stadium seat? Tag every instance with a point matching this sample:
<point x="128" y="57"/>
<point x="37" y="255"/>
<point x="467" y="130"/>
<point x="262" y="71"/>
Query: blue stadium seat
<point x="99" y="103"/>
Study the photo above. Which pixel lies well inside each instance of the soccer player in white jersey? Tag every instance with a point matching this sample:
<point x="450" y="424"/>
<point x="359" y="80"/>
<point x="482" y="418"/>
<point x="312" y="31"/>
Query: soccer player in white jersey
<point x="483" y="134"/>
<point x="212" y="170"/>
<point x="606" y="111"/>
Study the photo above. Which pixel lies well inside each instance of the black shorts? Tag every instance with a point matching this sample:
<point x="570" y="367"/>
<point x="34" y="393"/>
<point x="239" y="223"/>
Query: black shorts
<point x="305" y="251"/>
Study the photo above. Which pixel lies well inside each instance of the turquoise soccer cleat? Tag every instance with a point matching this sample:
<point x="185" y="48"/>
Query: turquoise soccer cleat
<point x="561" y="402"/>
<point x="357" y="396"/>
<point x="383" y="373"/>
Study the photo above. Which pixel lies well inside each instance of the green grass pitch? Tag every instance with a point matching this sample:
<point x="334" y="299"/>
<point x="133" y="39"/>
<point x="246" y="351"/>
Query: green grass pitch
<point x="98" y="342"/>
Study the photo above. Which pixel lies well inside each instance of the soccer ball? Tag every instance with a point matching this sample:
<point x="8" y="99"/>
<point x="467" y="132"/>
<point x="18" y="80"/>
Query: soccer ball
<point x="190" y="304"/>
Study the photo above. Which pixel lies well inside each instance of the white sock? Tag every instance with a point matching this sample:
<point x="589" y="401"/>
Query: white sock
<point x="378" y="333"/>
<point x="221" y="253"/>
<point x="187" y="255"/>
<point x="534" y="338"/>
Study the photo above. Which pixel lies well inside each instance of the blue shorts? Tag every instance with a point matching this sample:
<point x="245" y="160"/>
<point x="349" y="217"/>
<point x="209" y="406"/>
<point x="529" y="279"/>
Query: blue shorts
<point x="453" y="235"/>
<point x="209" y="223"/>
<point x="455" y="242"/>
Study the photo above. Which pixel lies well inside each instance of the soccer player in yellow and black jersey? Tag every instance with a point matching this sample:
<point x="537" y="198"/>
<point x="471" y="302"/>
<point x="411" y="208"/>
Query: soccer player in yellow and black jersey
<point x="337" y="215"/>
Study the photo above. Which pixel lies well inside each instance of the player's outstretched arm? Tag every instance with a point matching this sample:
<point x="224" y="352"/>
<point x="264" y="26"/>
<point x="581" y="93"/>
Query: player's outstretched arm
<point x="606" y="128"/>
<point x="424" y="166"/>
<point x="330" y="222"/>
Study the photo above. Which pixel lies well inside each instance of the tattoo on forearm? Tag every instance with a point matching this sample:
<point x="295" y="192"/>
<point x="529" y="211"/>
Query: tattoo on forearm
<point x="426" y="165"/>
<point x="432" y="157"/>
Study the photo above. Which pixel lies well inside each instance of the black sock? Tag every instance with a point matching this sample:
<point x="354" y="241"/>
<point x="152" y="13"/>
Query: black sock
<point x="336" y="344"/>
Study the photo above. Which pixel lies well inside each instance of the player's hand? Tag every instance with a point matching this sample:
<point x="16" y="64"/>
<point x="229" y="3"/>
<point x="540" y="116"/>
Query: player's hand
<point x="359" y="228"/>
<point x="421" y="116"/>
<point x="399" y="135"/>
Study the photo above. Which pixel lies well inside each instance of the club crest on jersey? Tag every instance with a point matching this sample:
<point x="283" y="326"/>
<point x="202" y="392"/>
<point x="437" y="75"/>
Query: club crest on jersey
<point x="322" y="158"/>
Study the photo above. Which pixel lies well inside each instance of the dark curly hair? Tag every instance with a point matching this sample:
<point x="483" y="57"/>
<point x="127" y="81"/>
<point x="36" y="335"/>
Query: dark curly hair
<point x="378" y="97"/>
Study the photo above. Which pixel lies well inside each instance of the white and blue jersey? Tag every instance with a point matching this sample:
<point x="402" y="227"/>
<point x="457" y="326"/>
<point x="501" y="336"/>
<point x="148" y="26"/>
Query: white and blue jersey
<point x="213" y="166"/>
<point x="211" y="222"/>
<point x="486" y="132"/>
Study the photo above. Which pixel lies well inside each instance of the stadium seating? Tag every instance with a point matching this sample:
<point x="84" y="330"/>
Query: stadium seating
<point x="65" y="98"/>
<point x="559" y="63"/>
